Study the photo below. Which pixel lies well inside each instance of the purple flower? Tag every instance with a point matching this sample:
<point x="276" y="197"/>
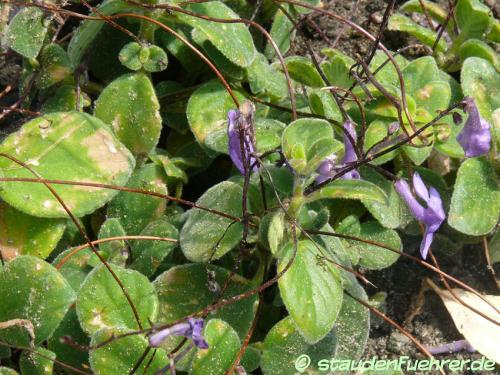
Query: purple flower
<point x="431" y="216"/>
<point x="241" y="144"/>
<point x="452" y="347"/>
<point x="192" y="329"/>
<point x="328" y="168"/>
<point x="475" y="136"/>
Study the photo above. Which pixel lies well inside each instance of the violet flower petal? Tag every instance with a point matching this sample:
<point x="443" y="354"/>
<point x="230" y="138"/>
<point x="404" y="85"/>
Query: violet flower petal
<point x="475" y="136"/>
<point x="197" y="334"/>
<point x="235" y="146"/>
<point x="420" y="187"/>
<point x="431" y="216"/>
<point x="192" y="329"/>
<point x="452" y="347"/>
<point x="404" y="191"/>
<point x="350" y="153"/>
<point x="426" y="243"/>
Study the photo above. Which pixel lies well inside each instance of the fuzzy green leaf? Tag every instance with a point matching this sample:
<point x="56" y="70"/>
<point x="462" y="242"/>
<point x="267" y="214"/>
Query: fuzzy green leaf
<point x="182" y="290"/>
<point x="22" y="234"/>
<point x="350" y="189"/>
<point x="208" y="236"/>
<point x="43" y="298"/>
<point x="307" y="142"/>
<point x="475" y="203"/>
<point x="101" y="303"/>
<point x="232" y="39"/>
<point x="26" y="32"/>
<point x="130" y="106"/>
<point x="223" y="345"/>
<point x="70" y="146"/>
<point x="120" y="356"/>
<point x="311" y="290"/>
<point x="134" y="210"/>
<point x="284" y="348"/>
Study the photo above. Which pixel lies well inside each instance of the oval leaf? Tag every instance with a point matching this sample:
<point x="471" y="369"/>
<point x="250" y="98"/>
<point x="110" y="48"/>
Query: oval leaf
<point x="223" y="346"/>
<point x="232" y="39"/>
<point x="350" y="189"/>
<point x="42" y="298"/>
<point x="285" y="350"/>
<point x="311" y="290"/>
<point x="129" y="105"/>
<point x="70" y="146"/>
<point x="22" y="234"/>
<point x="101" y="303"/>
<point x="475" y="203"/>
<point x="120" y="356"/>
<point x="208" y="236"/>
<point x="182" y="290"/>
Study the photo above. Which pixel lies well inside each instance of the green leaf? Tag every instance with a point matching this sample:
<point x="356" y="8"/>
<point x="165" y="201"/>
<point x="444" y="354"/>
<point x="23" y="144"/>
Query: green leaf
<point x="22" y="234"/>
<point x="272" y="231"/>
<point x="472" y="18"/>
<point x="34" y="364"/>
<point x="191" y="62"/>
<point x="398" y="22"/>
<point x="375" y="257"/>
<point x="26" y="32"/>
<point x="207" y="113"/>
<point x="424" y="83"/>
<point x="148" y="255"/>
<point x="111" y="251"/>
<point x="388" y="74"/>
<point x="478" y="48"/>
<point x="311" y="290"/>
<point x="302" y="70"/>
<point x="232" y="39"/>
<point x="182" y="290"/>
<point x="352" y="328"/>
<point x="208" y="236"/>
<point x="67" y="353"/>
<point x="494" y="33"/>
<point x="391" y="214"/>
<point x="129" y="105"/>
<point x="375" y="133"/>
<point x="101" y="303"/>
<point x="284" y="348"/>
<point x="43" y="298"/>
<point x="268" y="133"/>
<point x="475" y="203"/>
<point x="336" y="69"/>
<point x="70" y="146"/>
<point x="251" y="358"/>
<point x="7" y="371"/>
<point x="134" y="210"/>
<point x="282" y="32"/>
<point x="120" y="356"/>
<point x="55" y="66"/>
<point x="88" y="30"/>
<point x="265" y="80"/>
<point x="225" y="66"/>
<point x="64" y="100"/>
<point x="76" y="268"/>
<point x="151" y="58"/>
<point x="223" y="346"/>
<point x="434" y="10"/>
<point x="307" y="142"/>
<point x="350" y="189"/>
<point x="322" y="103"/>
<point x="480" y="80"/>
